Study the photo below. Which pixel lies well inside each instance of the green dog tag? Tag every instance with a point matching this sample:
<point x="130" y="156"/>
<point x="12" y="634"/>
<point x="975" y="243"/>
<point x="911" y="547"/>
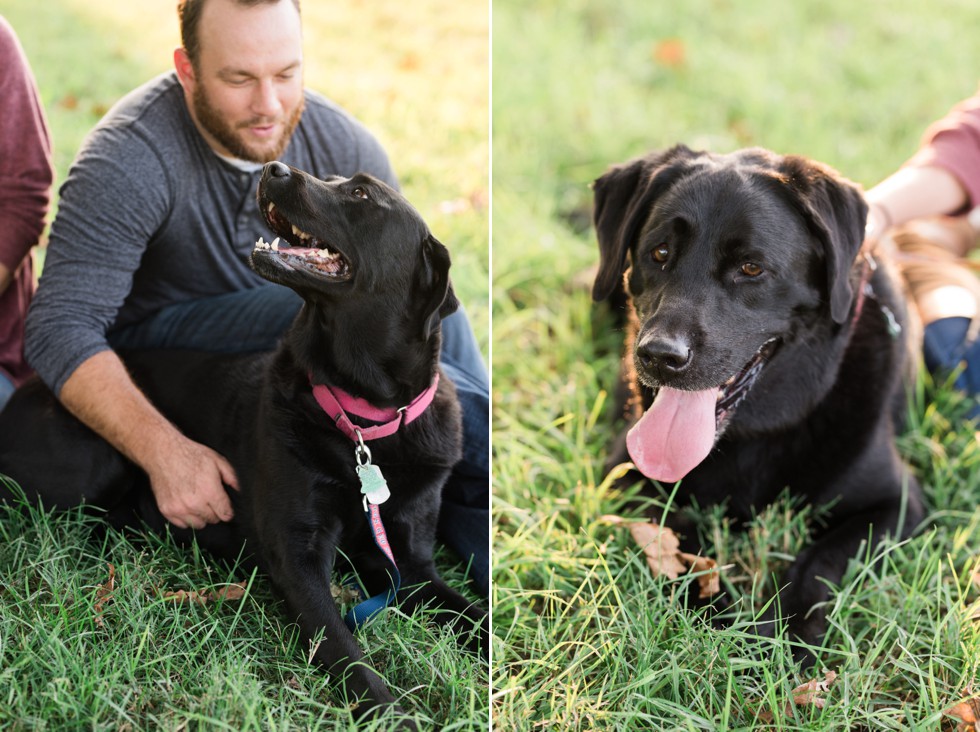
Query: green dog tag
<point x="373" y="484"/>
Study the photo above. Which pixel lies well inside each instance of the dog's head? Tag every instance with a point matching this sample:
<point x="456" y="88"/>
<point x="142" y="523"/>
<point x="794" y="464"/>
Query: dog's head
<point x="352" y="243"/>
<point x="731" y="261"/>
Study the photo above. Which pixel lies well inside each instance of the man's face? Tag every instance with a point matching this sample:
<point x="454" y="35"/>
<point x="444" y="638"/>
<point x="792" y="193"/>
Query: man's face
<point x="246" y="91"/>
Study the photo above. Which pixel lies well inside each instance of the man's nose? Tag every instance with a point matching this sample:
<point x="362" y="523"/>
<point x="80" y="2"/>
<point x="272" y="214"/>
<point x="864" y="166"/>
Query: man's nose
<point x="265" y="101"/>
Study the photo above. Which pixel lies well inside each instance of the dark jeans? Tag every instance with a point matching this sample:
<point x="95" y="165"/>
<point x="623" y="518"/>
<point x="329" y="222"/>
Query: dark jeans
<point x="945" y="349"/>
<point x="6" y="389"/>
<point x="255" y="319"/>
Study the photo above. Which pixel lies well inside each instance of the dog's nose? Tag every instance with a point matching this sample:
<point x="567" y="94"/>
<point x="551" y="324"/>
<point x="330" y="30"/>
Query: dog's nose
<point x="664" y="354"/>
<point x="278" y="170"/>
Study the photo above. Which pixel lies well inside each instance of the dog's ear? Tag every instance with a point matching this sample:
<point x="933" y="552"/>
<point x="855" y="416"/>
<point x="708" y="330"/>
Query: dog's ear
<point x="835" y="212"/>
<point x="623" y="198"/>
<point x="439" y="300"/>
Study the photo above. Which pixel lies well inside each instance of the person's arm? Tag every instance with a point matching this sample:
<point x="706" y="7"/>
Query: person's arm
<point x="913" y="192"/>
<point x="186" y="477"/>
<point x="108" y="211"/>
<point x="26" y="170"/>
<point x="943" y="177"/>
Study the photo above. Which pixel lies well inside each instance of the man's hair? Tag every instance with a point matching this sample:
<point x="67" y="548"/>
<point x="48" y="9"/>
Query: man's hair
<point x="189" y="14"/>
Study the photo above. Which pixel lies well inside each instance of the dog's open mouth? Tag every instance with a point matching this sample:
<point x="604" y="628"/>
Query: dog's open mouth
<point x="733" y="391"/>
<point x="679" y="429"/>
<point x="302" y="250"/>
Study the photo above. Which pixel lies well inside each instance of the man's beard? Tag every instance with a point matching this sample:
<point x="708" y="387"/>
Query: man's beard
<point x="230" y="138"/>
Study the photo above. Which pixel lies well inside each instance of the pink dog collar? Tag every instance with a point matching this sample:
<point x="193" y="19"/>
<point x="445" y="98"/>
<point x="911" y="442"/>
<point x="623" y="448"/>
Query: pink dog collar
<point x="337" y="403"/>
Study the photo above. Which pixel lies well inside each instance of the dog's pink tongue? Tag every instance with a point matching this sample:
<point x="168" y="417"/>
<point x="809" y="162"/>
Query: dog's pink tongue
<point x="675" y="434"/>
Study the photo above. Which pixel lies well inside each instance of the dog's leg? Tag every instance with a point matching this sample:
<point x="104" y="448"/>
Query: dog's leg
<point x="422" y="586"/>
<point x="304" y="580"/>
<point x="825" y="560"/>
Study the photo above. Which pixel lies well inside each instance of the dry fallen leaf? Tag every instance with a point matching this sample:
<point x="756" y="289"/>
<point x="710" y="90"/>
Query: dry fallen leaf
<point x="103" y="594"/>
<point x="709" y="582"/>
<point x="182" y="596"/>
<point x="662" y="549"/>
<point x="966" y="714"/>
<point x="807" y="694"/>
<point x="235" y="591"/>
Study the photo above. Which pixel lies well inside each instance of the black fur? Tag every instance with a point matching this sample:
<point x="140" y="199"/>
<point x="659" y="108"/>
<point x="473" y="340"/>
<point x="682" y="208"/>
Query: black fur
<point x="375" y="334"/>
<point x="819" y="419"/>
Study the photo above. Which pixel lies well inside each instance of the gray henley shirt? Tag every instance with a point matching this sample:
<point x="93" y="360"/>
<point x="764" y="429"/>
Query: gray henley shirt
<point x="149" y="216"/>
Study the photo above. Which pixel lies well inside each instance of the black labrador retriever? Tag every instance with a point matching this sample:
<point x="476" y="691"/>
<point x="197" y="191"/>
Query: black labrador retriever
<point x="316" y="479"/>
<point x="765" y="350"/>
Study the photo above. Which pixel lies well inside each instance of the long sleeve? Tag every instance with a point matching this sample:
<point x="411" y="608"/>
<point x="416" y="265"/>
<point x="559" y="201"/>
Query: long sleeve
<point x="26" y="173"/>
<point x="26" y="177"/>
<point x="953" y="143"/>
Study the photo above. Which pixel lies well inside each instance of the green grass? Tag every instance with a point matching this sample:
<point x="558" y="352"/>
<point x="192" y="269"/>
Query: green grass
<point x="418" y="75"/>
<point x="71" y="659"/>
<point x="585" y="638"/>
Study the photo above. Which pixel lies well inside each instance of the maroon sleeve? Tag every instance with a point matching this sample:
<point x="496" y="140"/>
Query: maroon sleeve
<point x="953" y="143"/>
<point x="26" y="172"/>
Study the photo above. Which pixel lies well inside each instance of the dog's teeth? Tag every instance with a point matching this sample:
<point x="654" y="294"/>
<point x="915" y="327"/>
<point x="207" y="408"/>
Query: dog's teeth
<point x="324" y="253"/>
<point x="275" y="245"/>
<point x="271" y="207"/>
<point x="297" y="232"/>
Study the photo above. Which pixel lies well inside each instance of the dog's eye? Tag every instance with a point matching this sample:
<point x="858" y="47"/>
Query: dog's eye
<point x="751" y="269"/>
<point x="360" y="192"/>
<point x="661" y="253"/>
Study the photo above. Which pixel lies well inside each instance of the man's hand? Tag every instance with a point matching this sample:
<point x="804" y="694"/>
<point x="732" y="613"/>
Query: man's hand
<point x="188" y="482"/>
<point x="187" y="478"/>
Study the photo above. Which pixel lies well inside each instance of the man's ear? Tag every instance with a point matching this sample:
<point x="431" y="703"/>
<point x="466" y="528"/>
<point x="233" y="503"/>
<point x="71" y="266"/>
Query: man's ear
<point x="185" y="69"/>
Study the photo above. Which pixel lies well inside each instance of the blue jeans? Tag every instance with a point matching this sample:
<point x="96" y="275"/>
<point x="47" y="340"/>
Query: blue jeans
<point x="255" y="320"/>
<point x="6" y="389"/>
<point x="945" y="349"/>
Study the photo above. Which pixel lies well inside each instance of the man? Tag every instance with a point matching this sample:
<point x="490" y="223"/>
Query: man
<point x="149" y="247"/>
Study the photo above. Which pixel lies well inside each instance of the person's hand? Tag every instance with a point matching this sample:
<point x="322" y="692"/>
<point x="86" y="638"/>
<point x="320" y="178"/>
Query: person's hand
<point x="188" y="482"/>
